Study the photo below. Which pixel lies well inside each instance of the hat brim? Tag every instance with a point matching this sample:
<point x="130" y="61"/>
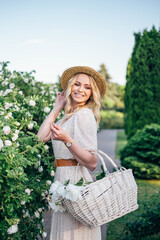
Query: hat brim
<point x="70" y="72"/>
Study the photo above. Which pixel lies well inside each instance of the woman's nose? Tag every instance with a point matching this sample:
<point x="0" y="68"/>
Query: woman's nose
<point x="81" y="88"/>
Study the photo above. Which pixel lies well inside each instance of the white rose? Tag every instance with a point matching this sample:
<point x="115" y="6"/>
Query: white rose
<point x="16" y="108"/>
<point x="26" y="214"/>
<point x="15" y="137"/>
<point x="48" y="182"/>
<point x="26" y="80"/>
<point x="1" y="144"/>
<point x="4" y="83"/>
<point x="37" y="214"/>
<point x="30" y="126"/>
<point x="44" y="234"/>
<point x="43" y="91"/>
<point x="1" y="93"/>
<point x="28" y="114"/>
<point x="18" y="124"/>
<point x="52" y="173"/>
<point x="8" y="143"/>
<point x="23" y="202"/>
<point x="55" y="186"/>
<point x="73" y="192"/>
<point x="46" y="147"/>
<point x="7" y="91"/>
<point x="28" y="191"/>
<point x="20" y="92"/>
<point x="39" y="163"/>
<point x="17" y="131"/>
<point x="17" y="144"/>
<point x="61" y="191"/>
<point x="32" y="103"/>
<point x="46" y="110"/>
<point x="40" y="169"/>
<point x="7" y="105"/>
<point x="1" y="113"/>
<point x="13" y="229"/>
<point x="8" y="115"/>
<point x="6" y="130"/>
<point x="39" y="209"/>
<point x="12" y="85"/>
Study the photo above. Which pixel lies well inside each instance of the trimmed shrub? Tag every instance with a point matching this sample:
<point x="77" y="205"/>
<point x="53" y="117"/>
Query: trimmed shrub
<point x="111" y="119"/>
<point x="142" y="153"/>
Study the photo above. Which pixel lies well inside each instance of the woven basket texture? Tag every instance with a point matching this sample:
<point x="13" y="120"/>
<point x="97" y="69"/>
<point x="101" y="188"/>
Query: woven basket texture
<point x="105" y="200"/>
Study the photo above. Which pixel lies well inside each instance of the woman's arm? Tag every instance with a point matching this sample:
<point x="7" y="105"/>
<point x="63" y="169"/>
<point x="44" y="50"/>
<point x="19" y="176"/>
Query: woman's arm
<point x="44" y="132"/>
<point x="83" y="156"/>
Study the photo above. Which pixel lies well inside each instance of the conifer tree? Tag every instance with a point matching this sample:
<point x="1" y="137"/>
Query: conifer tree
<point x="142" y="92"/>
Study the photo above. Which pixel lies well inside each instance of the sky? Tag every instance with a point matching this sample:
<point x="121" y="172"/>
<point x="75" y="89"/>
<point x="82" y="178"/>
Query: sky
<point x="50" y="36"/>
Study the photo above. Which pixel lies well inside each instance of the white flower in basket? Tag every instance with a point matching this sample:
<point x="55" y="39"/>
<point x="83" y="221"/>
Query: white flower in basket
<point x="59" y="192"/>
<point x="111" y="196"/>
<point x="74" y="193"/>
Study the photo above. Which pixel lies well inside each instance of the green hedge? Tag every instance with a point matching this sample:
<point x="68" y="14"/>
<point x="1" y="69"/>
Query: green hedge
<point x="142" y="153"/>
<point x="111" y="119"/>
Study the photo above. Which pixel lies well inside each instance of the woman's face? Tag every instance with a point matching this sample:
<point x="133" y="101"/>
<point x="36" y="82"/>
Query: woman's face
<point x="81" y="90"/>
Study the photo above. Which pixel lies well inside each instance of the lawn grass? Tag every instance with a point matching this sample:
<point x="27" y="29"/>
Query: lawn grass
<point x="146" y="189"/>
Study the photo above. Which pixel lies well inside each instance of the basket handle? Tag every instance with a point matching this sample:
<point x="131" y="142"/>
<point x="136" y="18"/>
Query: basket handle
<point x="99" y="153"/>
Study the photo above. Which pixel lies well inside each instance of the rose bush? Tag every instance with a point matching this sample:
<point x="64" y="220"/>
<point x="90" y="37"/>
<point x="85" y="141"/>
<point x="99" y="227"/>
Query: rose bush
<point x="26" y="163"/>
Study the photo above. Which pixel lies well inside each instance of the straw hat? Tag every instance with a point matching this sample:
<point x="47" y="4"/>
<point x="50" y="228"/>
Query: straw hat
<point x="70" y="72"/>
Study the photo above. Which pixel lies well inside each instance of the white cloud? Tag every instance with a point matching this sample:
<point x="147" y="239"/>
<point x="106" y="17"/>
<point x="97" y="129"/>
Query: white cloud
<point x="35" y="41"/>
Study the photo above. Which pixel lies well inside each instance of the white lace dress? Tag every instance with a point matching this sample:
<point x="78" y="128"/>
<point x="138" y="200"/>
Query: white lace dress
<point x="82" y="128"/>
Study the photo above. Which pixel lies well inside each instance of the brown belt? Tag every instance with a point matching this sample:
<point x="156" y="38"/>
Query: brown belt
<point x="65" y="162"/>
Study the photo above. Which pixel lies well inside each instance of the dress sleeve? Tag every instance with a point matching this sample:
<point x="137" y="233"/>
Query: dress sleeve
<point x="85" y="132"/>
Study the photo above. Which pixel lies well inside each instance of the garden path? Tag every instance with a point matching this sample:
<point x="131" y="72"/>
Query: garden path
<point x="106" y="143"/>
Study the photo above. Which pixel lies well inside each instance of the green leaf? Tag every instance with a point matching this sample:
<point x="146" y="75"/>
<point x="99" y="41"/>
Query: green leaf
<point x="80" y="182"/>
<point x="66" y="182"/>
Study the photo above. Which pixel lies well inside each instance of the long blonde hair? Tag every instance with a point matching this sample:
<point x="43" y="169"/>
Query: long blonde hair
<point x="94" y="102"/>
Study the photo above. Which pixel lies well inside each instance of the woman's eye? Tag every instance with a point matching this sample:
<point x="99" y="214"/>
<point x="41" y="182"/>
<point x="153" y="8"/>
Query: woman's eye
<point x="88" y="88"/>
<point x="76" y="84"/>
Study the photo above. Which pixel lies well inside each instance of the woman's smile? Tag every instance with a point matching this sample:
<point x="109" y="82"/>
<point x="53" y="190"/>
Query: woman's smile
<point x="78" y="94"/>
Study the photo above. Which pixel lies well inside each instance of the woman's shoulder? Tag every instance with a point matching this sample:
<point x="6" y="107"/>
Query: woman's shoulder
<point x="85" y="115"/>
<point x="84" y="112"/>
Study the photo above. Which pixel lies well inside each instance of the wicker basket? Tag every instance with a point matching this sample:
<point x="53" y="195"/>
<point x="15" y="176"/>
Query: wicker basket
<point x="107" y="199"/>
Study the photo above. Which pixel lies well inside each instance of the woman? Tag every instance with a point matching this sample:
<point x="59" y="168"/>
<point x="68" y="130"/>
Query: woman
<point x="73" y="138"/>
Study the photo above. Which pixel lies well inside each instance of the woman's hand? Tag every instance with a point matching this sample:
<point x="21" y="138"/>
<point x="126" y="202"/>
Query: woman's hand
<point x="60" y="101"/>
<point x="83" y="156"/>
<point x="58" y="133"/>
